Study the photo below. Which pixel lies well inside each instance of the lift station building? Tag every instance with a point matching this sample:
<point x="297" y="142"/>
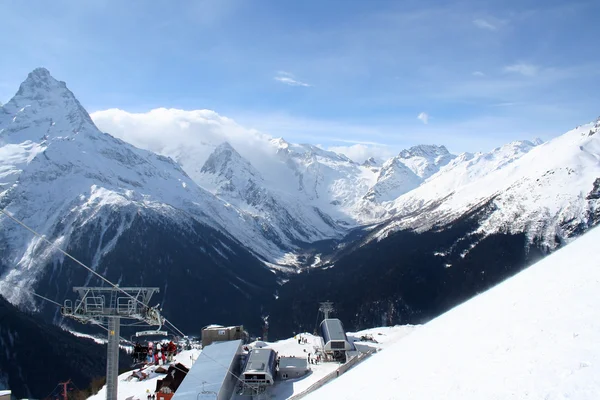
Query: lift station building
<point x="260" y="369"/>
<point x="334" y="336"/>
<point x="218" y="333"/>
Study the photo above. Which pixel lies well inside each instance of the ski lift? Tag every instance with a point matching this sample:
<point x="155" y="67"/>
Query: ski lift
<point x="140" y="355"/>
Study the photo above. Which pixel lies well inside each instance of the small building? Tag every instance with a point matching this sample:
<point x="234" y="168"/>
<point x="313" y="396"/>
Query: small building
<point x="213" y="374"/>
<point x="292" y="367"/>
<point x="5" y="394"/>
<point x="166" y="388"/>
<point x="260" y="368"/>
<point x="334" y="336"/>
<point x="218" y="333"/>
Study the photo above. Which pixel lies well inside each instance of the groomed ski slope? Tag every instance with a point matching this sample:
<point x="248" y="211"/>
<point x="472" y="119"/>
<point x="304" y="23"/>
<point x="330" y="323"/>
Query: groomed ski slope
<point x="534" y="336"/>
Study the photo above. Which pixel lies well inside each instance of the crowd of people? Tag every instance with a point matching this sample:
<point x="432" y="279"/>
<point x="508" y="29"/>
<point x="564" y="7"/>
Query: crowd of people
<point x="157" y="354"/>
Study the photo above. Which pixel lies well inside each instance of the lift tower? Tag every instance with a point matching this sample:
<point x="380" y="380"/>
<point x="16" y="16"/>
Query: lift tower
<point x="95" y="304"/>
<point x="326" y="307"/>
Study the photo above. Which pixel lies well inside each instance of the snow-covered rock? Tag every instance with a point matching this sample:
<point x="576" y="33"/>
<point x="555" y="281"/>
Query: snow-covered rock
<point x="533" y="336"/>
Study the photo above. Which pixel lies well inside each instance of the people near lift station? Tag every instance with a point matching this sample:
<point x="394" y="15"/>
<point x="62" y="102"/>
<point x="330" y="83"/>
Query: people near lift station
<point x="171" y="351"/>
<point x="301" y="339"/>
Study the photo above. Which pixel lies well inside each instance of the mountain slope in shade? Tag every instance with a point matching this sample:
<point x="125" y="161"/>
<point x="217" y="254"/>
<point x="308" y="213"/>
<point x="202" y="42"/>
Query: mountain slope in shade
<point x="533" y="336"/>
<point x="36" y="356"/>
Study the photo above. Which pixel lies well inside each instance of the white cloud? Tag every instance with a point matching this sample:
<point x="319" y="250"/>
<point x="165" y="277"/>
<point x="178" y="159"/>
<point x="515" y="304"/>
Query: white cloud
<point x="289" y="79"/>
<point x="189" y="137"/>
<point x="424" y="117"/>
<point x="523" y="69"/>
<point x="484" y="24"/>
<point x="360" y="152"/>
<point x="478" y="73"/>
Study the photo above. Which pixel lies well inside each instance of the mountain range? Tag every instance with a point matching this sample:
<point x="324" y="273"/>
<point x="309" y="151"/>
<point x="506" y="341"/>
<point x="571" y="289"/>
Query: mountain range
<point x="242" y="234"/>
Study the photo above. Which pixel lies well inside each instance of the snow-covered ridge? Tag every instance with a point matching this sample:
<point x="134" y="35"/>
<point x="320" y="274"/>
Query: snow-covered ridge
<point x="228" y="175"/>
<point x="533" y="336"/>
<point x="541" y="190"/>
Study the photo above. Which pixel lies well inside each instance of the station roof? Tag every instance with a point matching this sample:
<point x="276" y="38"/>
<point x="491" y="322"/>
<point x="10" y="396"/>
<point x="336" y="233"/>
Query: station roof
<point x="293" y="362"/>
<point x="210" y="368"/>
<point x="259" y="359"/>
<point x="333" y="329"/>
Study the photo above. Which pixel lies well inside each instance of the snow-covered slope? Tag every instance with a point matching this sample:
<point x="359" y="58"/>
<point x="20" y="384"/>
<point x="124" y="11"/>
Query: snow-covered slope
<point x="328" y="180"/>
<point x="393" y="181"/>
<point x="232" y="178"/>
<point x="425" y="160"/>
<point x="543" y="190"/>
<point x="406" y="171"/>
<point x="534" y="336"/>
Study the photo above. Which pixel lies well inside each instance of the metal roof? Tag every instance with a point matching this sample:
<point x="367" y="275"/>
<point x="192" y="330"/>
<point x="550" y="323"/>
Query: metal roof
<point x="210" y="368"/>
<point x="293" y="362"/>
<point x="333" y="329"/>
<point x="259" y="359"/>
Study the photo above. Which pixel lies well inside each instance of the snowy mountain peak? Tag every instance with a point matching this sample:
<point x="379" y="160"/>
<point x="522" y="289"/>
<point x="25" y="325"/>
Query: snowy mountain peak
<point x="394" y="180"/>
<point x="46" y="104"/>
<point x="425" y="160"/>
<point x="225" y="161"/>
<point x="280" y="143"/>
<point x="40" y="86"/>
<point x="370" y="162"/>
<point x="425" y="150"/>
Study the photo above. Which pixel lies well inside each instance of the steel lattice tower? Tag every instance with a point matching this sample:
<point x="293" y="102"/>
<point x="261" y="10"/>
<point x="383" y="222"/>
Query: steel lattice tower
<point x="95" y="304"/>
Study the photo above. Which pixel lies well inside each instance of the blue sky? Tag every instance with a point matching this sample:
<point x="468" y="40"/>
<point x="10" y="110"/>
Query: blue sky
<point x="479" y="73"/>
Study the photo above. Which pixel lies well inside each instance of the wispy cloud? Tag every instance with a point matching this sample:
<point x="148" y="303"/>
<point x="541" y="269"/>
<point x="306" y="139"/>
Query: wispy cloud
<point x="523" y="69"/>
<point x="424" y="117"/>
<point x="478" y="73"/>
<point x="485" y="24"/>
<point x="289" y="79"/>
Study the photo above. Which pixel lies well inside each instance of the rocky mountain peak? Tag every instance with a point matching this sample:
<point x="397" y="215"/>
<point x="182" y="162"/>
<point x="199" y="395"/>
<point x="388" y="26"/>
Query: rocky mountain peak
<point x="370" y="162"/>
<point x="225" y="161"/>
<point x="44" y="101"/>
<point x="424" y="150"/>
